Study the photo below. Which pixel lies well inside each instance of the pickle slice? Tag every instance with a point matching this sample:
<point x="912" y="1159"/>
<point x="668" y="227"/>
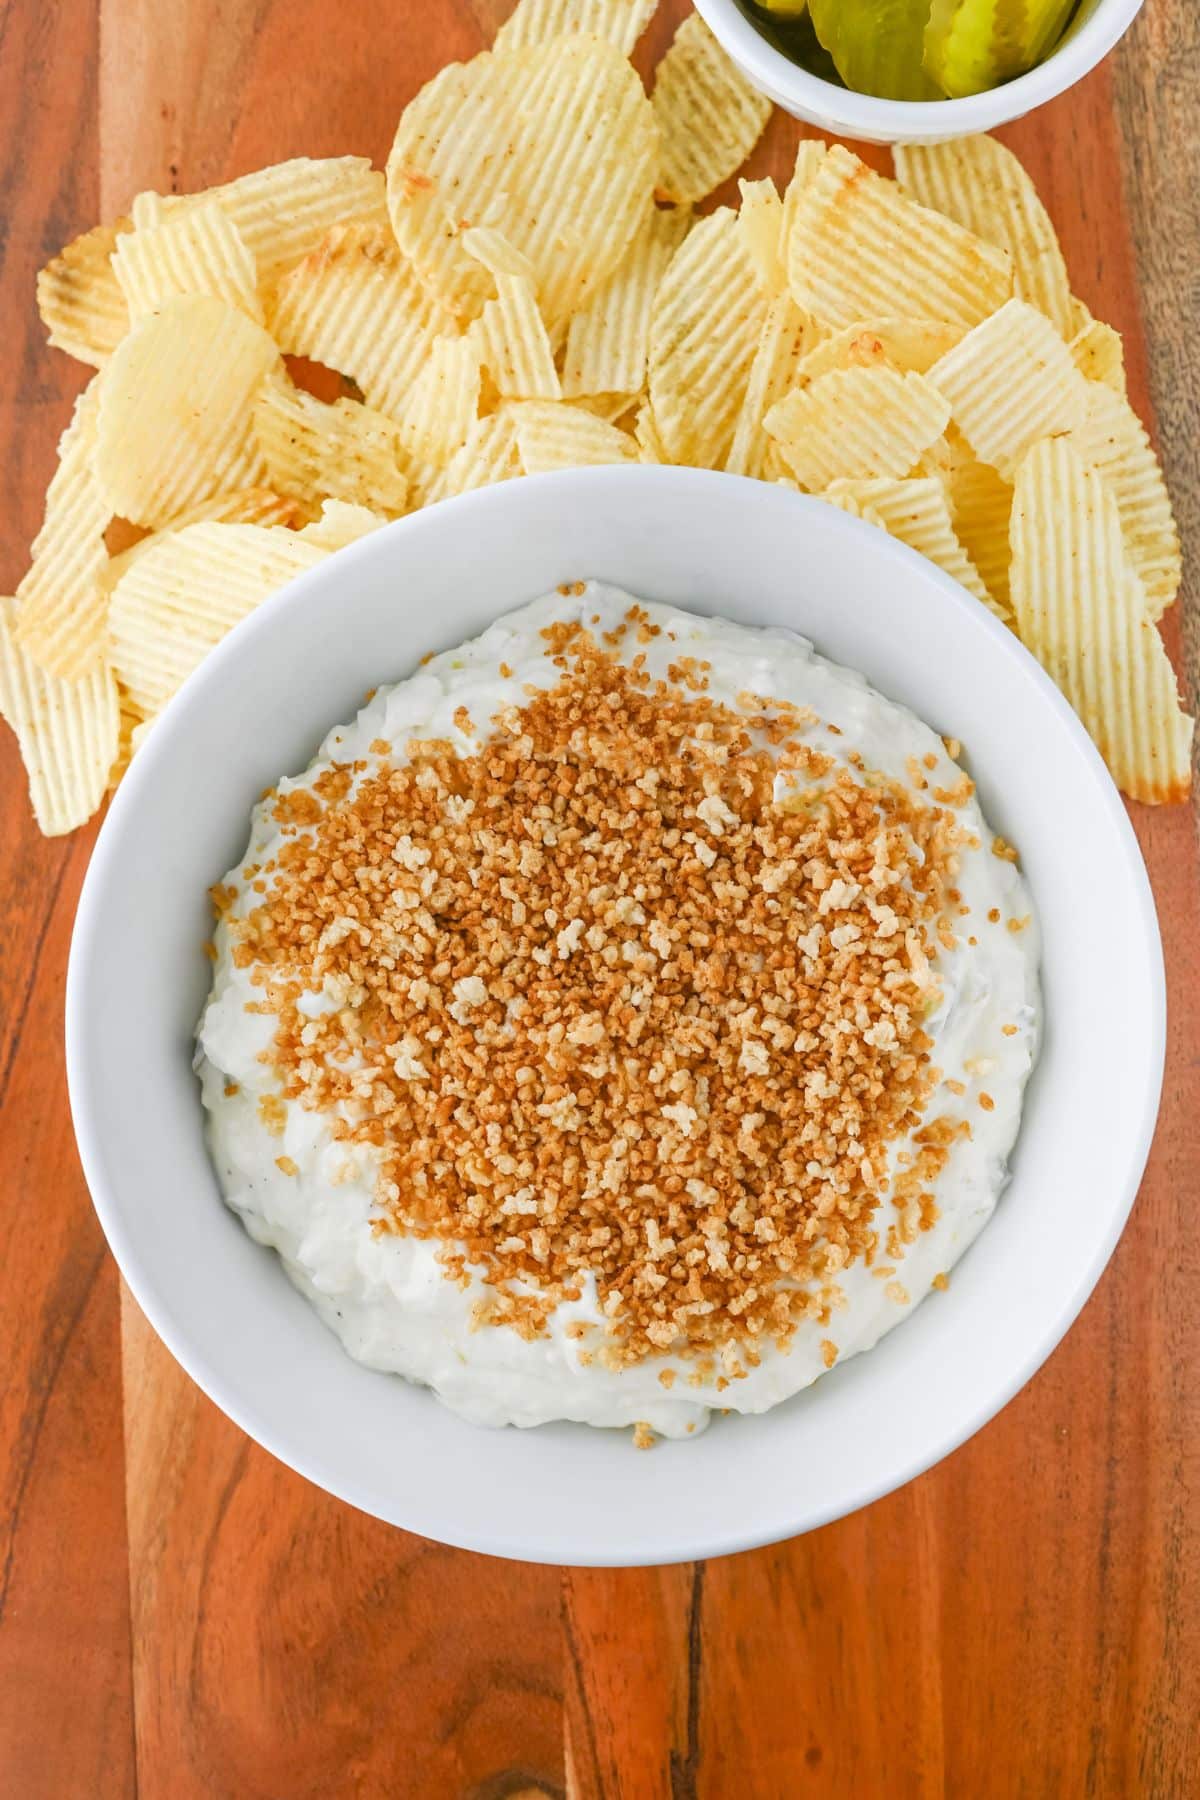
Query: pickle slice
<point x="877" y="45"/>
<point x="972" y="45"/>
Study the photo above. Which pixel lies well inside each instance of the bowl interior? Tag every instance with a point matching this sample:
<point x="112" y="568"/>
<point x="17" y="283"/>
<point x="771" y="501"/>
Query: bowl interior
<point x="258" y="708"/>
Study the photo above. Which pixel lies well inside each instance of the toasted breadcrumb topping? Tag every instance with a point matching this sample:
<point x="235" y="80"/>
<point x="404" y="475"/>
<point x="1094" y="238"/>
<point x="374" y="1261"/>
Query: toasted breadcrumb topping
<point x="601" y="1006"/>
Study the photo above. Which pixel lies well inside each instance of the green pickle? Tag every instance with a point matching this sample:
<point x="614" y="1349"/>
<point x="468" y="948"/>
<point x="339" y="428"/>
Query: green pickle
<point x="972" y="45"/>
<point x="914" y="49"/>
<point x="877" y="45"/>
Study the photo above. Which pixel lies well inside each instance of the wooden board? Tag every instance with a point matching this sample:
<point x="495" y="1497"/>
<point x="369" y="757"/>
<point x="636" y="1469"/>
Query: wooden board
<point x="180" y="1616"/>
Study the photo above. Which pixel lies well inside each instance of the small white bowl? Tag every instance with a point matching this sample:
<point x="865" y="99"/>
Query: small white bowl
<point x="1095" y="29"/>
<point x="257" y="709"/>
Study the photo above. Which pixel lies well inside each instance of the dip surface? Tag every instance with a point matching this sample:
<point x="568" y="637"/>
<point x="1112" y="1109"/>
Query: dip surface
<point x="624" y="1018"/>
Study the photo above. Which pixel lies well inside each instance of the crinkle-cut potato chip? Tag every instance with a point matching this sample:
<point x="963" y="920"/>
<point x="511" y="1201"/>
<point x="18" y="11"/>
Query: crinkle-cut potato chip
<point x="80" y="299"/>
<point x="340" y="450"/>
<point x="610" y="407"/>
<point x="904" y="344"/>
<point x="355" y="304"/>
<point x="553" y="435"/>
<point x="493" y="251"/>
<point x="1082" y="611"/>
<point x="488" y="456"/>
<point x="646" y="435"/>
<point x="130" y="719"/>
<point x="787" y="337"/>
<point x="858" y="249"/>
<point x="245" y="506"/>
<point x="981" y="504"/>
<point x="513" y="343"/>
<point x="196" y="251"/>
<point x="60" y="605"/>
<point x="845" y="500"/>
<point x="444" y="401"/>
<point x="705" y="327"/>
<point x="1112" y="440"/>
<point x="855" y="423"/>
<point x="609" y="339"/>
<point x="183" y="594"/>
<point x="810" y="154"/>
<point x="554" y="146"/>
<point x="917" y="511"/>
<point x="981" y="185"/>
<point x="341" y="522"/>
<point x="284" y="211"/>
<point x="175" y="409"/>
<point x="147" y="210"/>
<point x="760" y="218"/>
<point x="708" y="114"/>
<point x="1099" y="354"/>
<point x="1010" y="382"/>
<point x="68" y="732"/>
<point x="621" y="22"/>
<point x="460" y="281"/>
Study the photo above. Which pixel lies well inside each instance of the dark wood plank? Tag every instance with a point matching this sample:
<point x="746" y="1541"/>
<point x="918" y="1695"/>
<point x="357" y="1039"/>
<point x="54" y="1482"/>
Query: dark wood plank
<point x="65" y="1699"/>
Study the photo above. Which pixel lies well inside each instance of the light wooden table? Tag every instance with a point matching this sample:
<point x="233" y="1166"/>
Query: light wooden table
<point x="179" y="1616"/>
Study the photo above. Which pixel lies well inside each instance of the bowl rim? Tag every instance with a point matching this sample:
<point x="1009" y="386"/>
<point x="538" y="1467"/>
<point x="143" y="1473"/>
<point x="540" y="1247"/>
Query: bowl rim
<point x="87" y="1114"/>
<point x="868" y="116"/>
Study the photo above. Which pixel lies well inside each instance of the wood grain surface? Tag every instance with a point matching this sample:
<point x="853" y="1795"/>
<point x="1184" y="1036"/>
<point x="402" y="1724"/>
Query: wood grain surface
<point x="179" y="1615"/>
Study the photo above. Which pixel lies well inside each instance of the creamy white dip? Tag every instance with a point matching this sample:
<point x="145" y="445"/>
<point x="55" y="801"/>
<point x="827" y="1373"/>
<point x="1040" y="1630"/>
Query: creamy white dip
<point x="385" y="1295"/>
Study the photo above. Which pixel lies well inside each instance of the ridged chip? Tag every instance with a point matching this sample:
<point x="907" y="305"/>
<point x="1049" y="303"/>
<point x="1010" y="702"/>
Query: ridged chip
<point x="247" y="506"/>
<point x="175" y="409"/>
<point x="489" y="455"/>
<point x="917" y="511"/>
<point x="858" y="249"/>
<point x="760" y="216"/>
<point x="647" y="436"/>
<point x="1099" y="353"/>
<point x="355" y="304"/>
<point x="810" y="154"/>
<point x="284" y="211"/>
<point x="130" y="720"/>
<point x="1112" y="440"/>
<point x="787" y="337"/>
<point x="844" y="500"/>
<point x="621" y="22"/>
<point x="59" y="616"/>
<point x="147" y="209"/>
<point x="705" y="327"/>
<point x="709" y="115"/>
<point x="1082" y="611"/>
<point x="320" y="450"/>
<point x="444" y="401"/>
<point x="980" y="184"/>
<point x="981" y="504"/>
<point x="1010" y="382"/>
<point x="553" y="145"/>
<point x="183" y="594"/>
<point x="341" y="523"/>
<point x="556" y="436"/>
<point x="492" y="250"/>
<point x="80" y="298"/>
<point x="608" y="340"/>
<point x="513" y="343"/>
<point x="855" y="423"/>
<point x="198" y="250"/>
<point x="903" y="344"/>
<point x="68" y="732"/>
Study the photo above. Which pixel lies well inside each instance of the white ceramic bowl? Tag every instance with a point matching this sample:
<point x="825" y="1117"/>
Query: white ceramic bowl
<point x="1095" y="29"/>
<point x="257" y="709"/>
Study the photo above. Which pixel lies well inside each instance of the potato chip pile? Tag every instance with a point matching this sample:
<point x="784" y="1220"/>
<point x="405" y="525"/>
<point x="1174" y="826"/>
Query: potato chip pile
<point x="527" y="288"/>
